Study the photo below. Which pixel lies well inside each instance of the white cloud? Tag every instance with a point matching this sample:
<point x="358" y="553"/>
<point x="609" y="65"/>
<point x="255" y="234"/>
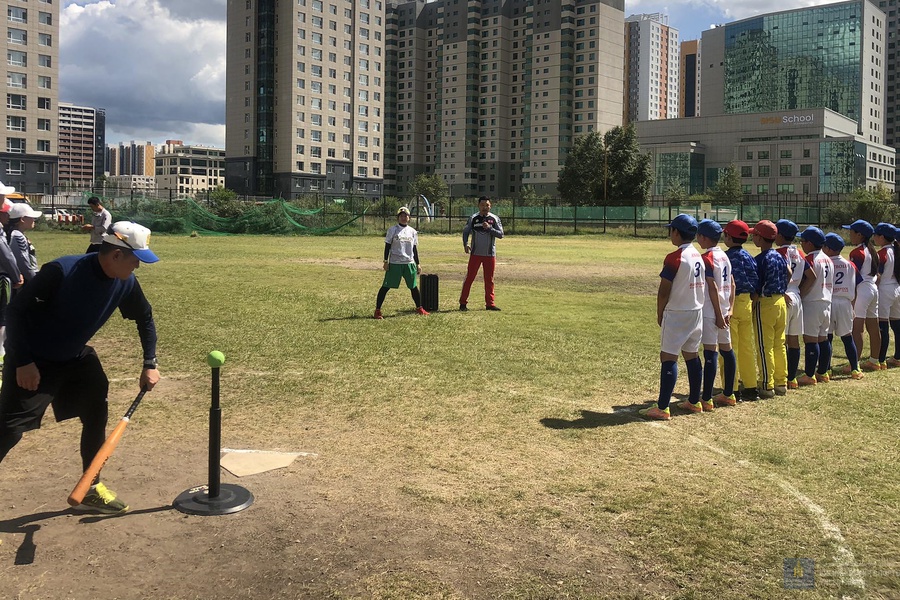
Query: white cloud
<point x="156" y="66"/>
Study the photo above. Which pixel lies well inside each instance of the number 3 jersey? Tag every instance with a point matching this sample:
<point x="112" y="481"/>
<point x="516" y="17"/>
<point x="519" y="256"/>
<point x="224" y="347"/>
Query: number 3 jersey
<point x="684" y="268"/>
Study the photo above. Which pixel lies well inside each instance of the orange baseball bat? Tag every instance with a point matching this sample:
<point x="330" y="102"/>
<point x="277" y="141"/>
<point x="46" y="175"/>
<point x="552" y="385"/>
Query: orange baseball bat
<point x="81" y="488"/>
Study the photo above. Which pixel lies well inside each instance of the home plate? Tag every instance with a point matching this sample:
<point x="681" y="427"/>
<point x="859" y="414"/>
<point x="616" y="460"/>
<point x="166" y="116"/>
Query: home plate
<point x="241" y="463"/>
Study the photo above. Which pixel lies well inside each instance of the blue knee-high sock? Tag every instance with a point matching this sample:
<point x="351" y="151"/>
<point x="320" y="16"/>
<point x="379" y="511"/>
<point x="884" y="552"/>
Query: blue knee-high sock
<point x="695" y="378"/>
<point x="668" y="375"/>
<point x="710" y="364"/>
<point x="850" y="349"/>
<point x="793" y="363"/>
<point x="729" y="365"/>
<point x="885" y="328"/>
<point x="812" y="358"/>
<point x="824" y="356"/>
<point x="895" y="326"/>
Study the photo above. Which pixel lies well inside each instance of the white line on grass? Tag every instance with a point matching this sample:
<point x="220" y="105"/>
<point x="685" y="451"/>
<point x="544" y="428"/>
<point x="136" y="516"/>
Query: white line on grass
<point x="848" y="569"/>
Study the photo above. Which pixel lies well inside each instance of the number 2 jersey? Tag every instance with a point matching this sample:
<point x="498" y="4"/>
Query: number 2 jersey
<point x="684" y="268"/>
<point x="846" y="278"/>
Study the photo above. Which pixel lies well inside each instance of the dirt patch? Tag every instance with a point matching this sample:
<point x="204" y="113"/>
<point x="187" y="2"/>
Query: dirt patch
<point x="325" y="527"/>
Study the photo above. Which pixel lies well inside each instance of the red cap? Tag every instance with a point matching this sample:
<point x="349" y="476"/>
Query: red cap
<point x="737" y="229"/>
<point x="766" y="230"/>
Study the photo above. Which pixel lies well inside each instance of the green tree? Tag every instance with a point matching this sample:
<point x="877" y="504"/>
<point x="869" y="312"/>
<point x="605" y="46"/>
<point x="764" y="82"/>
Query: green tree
<point x="225" y="203"/>
<point x="728" y="188"/>
<point x="431" y="186"/>
<point x="530" y="197"/>
<point x="675" y="194"/>
<point x="606" y="170"/>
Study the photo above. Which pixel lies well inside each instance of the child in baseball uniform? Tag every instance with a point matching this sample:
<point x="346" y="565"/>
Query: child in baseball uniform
<point x="865" y="308"/>
<point x="401" y="262"/>
<point x="717" y="304"/>
<point x="770" y="312"/>
<point x="846" y="278"/>
<point x="888" y="300"/>
<point x="679" y="312"/>
<point x="801" y="278"/>
<point x="746" y="280"/>
<point x="817" y="309"/>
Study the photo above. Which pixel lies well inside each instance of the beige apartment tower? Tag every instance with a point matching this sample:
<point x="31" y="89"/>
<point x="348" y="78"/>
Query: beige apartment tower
<point x="490" y="94"/>
<point x="305" y="97"/>
<point x="29" y="157"/>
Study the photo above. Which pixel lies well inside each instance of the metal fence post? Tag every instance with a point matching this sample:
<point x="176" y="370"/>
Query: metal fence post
<point x="545" y="215"/>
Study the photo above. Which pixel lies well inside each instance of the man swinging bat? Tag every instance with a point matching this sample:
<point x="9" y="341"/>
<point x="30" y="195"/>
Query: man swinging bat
<point x="48" y="361"/>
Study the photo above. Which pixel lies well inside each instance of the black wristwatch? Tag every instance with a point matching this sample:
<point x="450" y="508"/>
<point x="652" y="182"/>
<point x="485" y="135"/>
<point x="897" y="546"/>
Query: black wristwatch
<point x="151" y="363"/>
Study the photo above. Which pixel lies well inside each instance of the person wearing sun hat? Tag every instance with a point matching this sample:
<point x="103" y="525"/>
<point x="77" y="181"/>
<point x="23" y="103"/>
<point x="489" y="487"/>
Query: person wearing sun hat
<point x="21" y="219"/>
<point x="10" y="276"/>
<point x="50" y="322"/>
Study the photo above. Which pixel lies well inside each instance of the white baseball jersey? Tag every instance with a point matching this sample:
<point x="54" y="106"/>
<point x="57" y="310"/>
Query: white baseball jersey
<point x="862" y="258"/>
<point x="845" y="278"/>
<point x="824" y="270"/>
<point x="886" y="268"/>
<point x="718" y="268"/>
<point x="796" y="260"/>
<point x="684" y="268"/>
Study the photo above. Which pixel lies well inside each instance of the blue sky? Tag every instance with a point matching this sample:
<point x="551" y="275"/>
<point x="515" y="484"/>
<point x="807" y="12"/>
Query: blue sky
<point x="691" y="17"/>
<point x="158" y="66"/>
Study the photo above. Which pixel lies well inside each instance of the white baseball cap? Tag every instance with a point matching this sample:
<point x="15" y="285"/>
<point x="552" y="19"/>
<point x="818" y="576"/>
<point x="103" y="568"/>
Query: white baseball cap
<point x="131" y="235"/>
<point x="6" y="189"/>
<point x="22" y="209"/>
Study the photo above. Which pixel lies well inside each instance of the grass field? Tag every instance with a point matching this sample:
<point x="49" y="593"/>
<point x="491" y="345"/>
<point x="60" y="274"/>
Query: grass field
<point x="514" y="435"/>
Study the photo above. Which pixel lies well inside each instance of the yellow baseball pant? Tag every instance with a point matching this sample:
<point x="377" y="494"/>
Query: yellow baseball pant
<point x="770" y="315"/>
<point x="743" y="338"/>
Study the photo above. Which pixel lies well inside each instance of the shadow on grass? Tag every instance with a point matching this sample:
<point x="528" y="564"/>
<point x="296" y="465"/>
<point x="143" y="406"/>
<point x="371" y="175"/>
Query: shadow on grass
<point x="368" y="317"/>
<point x="621" y="415"/>
<point x="27" y="524"/>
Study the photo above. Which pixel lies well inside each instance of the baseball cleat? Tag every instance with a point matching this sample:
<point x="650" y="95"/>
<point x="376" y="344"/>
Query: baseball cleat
<point x="846" y="370"/>
<point x="781" y="390"/>
<point x="708" y="405"/>
<point x="102" y="500"/>
<point x="792" y="384"/>
<point x="805" y="379"/>
<point x="693" y="407"/>
<point x="655" y="413"/>
<point x="766" y="393"/>
<point x="870" y="365"/>
<point x="892" y="363"/>
<point x="723" y="400"/>
<point x="856" y="374"/>
<point x="422" y="311"/>
<point x="492" y="307"/>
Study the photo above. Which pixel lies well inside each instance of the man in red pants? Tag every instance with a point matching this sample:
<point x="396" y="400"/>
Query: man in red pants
<point x="485" y="228"/>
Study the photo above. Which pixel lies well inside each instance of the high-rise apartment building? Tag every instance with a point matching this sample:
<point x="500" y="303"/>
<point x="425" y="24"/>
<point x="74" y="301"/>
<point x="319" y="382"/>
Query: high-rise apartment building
<point x="131" y="159"/>
<point x="652" y="64"/>
<point x="830" y="56"/>
<point x="28" y="160"/>
<point x="689" y="89"/>
<point x="892" y="101"/>
<point x="305" y="114"/>
<point x="78" y="135"/>
<point x="491" y="94"/>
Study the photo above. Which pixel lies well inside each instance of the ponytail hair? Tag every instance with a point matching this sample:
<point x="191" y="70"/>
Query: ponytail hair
<point x="873" y="252"/>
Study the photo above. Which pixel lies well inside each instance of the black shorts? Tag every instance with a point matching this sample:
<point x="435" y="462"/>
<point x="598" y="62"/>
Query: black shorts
<point x="74" y="388"/>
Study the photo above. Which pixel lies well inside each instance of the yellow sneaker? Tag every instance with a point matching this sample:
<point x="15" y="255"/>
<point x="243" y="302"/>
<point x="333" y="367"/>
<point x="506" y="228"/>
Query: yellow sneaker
<point x="694" y="407"/>
<point x="103" y="500"/>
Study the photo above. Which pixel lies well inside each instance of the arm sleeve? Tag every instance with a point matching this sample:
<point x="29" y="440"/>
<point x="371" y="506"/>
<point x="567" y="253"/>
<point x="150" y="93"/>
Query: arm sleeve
<point x="387" y="251"/>
<point x="134" y="306"/>
<point x="107" y="221"/>
<point x="671" y="265"/>
<point x="497" y="229"/>
<point x="8" y="261"/>
<point x="416" y="254"/>
<point x="34" y="299"/>
<point x="466" y="231"/>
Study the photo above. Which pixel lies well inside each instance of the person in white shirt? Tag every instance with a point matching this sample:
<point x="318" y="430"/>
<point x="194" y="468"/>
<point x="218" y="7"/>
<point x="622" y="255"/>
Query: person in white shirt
<point x="401" y="261"/>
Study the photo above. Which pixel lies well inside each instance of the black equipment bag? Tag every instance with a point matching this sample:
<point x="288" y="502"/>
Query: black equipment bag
<point x="429" y="285"/>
